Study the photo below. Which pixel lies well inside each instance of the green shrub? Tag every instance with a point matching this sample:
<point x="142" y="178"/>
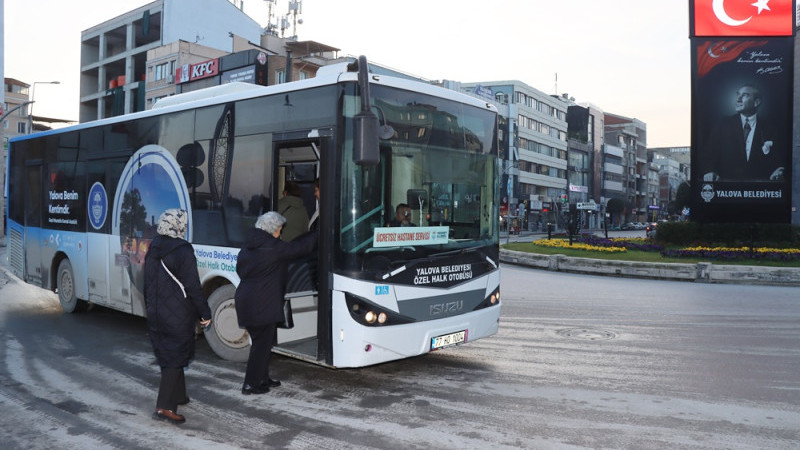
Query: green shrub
<point x="730" y="234"/>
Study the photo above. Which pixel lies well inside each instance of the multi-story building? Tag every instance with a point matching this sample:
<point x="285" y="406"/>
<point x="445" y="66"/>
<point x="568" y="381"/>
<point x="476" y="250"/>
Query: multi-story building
<point x="181" y="66"/>
<point x="626" y="142"/>
<point x="653" y="192"/>
<point x="114" y="53"/>
<point x="535" y="165"/>
<point x="17" y="123"/>
<point x="584" y="171"/>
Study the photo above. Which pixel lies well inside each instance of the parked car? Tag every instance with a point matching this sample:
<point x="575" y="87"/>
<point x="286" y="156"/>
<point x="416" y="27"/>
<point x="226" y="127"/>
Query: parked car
<point x="628" y="226"/>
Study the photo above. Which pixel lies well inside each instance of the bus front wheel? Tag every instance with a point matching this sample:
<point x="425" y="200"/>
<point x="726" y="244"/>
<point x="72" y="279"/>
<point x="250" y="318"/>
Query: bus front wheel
<point x="224" y="336"/>
<point x="65" y="286"/>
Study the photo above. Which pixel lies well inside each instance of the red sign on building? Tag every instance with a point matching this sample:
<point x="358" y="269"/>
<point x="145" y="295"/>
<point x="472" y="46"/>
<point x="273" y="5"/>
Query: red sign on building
<point x="743" y="17"/>
<point x="191" y="72"/>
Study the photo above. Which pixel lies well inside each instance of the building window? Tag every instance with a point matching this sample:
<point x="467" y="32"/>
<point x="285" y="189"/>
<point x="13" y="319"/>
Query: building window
<point x="280" y="76"/>
<point x="22" y="128"/>
<point x="164" y="71"/>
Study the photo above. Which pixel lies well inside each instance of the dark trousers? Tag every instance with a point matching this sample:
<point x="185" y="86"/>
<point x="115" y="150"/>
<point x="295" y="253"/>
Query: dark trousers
<point x="260" y="351"/>
<point x="172" y="388"/>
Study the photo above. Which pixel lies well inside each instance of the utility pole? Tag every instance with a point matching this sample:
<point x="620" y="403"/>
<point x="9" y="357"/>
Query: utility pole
<point x="2" y="137"/>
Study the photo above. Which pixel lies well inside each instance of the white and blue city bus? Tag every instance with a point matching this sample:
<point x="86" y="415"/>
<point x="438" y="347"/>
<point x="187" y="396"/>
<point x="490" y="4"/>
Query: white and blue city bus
<point x="83" y="202"/>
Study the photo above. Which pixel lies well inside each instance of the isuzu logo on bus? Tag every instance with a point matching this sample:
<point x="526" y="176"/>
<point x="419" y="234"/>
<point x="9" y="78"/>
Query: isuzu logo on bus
<point x="448" y="307"/>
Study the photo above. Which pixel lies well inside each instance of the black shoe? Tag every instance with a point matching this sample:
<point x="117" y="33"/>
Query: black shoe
<point x="184" y="401"/>
<point x="270" y="383"/>
<point x="254" y="390"/>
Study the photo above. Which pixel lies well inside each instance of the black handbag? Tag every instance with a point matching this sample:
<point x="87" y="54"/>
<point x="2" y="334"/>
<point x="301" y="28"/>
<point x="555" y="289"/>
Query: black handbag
<point x="288" y="322"/>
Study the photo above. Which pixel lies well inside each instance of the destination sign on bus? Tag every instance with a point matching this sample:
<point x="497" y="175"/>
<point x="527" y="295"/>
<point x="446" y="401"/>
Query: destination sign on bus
<point x="399" y="236"/>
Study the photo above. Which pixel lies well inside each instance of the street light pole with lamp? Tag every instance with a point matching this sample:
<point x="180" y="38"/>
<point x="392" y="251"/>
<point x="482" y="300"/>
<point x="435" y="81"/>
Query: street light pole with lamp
<point x="30" y="110"/>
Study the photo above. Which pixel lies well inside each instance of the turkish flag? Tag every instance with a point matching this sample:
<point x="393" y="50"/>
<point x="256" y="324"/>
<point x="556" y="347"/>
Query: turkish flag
<point x="743" y="17"/>
<point x="711" y="53"/>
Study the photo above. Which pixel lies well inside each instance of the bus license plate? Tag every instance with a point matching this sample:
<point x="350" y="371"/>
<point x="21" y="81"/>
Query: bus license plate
<point x="447" y="340"/>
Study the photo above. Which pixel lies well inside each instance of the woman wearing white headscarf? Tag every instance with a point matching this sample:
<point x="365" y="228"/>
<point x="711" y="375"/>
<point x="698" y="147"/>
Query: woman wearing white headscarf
<point x="175" y="301"/>
<point x="262" y="267"/>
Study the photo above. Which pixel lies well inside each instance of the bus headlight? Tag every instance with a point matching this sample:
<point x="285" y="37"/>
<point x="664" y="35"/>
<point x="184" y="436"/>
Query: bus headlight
<point x="492" y="300"/>
<point x="366" y="312"/>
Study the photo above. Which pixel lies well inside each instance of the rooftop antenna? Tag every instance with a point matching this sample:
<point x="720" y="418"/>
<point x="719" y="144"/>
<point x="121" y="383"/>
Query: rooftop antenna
<point x="556" y="91"/>
<point x="295" y="8"/>
<point x="272" y="26"/>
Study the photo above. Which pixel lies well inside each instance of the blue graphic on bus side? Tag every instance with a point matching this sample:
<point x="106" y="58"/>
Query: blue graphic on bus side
<point x="98" y="205"/>
<point x="382" y="290"/>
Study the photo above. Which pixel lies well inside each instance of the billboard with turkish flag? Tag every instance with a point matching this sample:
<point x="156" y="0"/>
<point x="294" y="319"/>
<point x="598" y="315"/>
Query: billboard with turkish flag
<point x="742" y="18"/>
<point x="742" y="93"/>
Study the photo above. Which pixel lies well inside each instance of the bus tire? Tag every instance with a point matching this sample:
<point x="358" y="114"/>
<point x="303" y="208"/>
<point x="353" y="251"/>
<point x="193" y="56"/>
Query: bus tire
<point x="224" y="336"/>
<point x="65" y="287"/>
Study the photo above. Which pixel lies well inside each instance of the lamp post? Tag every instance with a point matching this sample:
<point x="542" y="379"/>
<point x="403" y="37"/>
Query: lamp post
<point x="512" y="168"/>
<point x="33" y="92"/>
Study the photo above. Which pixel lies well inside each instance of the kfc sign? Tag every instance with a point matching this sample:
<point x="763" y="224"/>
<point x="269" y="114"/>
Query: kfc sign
<point x="743" y="17"/>
<point x="191" y="72"/>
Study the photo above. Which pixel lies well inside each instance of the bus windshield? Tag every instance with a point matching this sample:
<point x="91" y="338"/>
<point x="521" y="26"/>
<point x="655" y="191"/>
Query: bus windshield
<point x="434" y="190"/>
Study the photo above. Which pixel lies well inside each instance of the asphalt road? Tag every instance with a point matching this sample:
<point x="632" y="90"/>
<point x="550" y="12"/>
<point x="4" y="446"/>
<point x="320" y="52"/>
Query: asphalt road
<point x="579" y="362"/>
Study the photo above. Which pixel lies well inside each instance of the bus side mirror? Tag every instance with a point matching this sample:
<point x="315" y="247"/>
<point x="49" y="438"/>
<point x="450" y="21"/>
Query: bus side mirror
<point x="366" y="151"/>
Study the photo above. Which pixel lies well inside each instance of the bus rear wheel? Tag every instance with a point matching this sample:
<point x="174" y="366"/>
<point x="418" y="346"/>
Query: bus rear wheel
<point x="65" y="286"/>
<point x="224" y="336"/>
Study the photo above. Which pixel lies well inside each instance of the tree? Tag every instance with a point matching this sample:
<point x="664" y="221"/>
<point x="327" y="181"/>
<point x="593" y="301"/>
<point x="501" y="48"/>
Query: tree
<point x="615" y="206"/>
<point x="683" y="197"/>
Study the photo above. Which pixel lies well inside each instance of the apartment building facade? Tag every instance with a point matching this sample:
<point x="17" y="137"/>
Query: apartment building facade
<point x="16" y="123"/>
<point x="180" y="66"/>
<point x="535" y="163"/>
<point x="114" y="53"/>
<point x="625" y="174"/>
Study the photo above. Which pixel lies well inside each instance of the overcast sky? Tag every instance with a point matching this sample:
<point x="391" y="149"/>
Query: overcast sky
<point x="627" y="57"/>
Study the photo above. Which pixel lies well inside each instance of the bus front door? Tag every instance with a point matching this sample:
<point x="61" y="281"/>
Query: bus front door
<point x="298" y="162"/>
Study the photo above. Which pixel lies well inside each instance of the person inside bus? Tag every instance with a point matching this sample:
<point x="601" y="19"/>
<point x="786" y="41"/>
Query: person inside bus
<point x="292" y="208"/>
<point x="175" y="301"/>
<point x="262" y="267"/>
<point x="313" y="222"/>
<point x="402" y="216"/>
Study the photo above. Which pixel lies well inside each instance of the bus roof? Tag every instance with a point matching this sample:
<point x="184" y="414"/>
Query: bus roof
<point x="213" y="95"/>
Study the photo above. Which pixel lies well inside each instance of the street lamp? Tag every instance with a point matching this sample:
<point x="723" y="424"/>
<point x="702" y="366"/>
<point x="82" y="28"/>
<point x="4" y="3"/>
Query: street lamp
<point x="30" y="110"/>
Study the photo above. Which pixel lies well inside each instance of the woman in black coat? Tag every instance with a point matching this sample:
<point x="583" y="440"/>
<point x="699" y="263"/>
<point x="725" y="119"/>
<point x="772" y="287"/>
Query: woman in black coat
<point x="262" y="268"/>
<point x="175" y="301"/>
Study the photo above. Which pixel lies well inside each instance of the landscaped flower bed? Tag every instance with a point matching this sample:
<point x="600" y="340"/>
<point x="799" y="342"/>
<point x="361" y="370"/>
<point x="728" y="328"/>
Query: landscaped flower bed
<point x="643" y="244"/>
<point x="564" y="243"/>
<point x="622" y="245"/>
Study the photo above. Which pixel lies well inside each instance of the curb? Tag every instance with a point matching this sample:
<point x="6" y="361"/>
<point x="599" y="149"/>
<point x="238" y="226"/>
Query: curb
<point x="703" y="272"/>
